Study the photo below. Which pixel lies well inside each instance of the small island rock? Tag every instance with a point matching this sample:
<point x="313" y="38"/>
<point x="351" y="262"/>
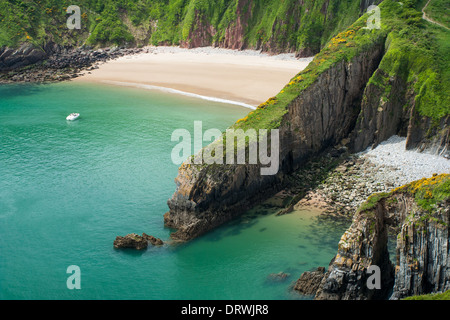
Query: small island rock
<point x="133" y="241"/>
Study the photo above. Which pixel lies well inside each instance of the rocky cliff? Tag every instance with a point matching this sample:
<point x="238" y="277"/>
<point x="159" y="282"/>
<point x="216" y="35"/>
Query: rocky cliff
<point x="302" y="27"/>
<point x="53" y="62"/>
<point x="25" y="55"/>
<point x="418" y="214"/>
<point x="359" y="90"/>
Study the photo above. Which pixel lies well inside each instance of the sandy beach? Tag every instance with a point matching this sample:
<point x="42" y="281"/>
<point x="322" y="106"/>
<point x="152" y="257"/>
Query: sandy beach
<point x="247" y="77"/>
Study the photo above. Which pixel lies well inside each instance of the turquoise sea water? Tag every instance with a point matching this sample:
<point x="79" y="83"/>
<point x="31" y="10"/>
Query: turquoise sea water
<point x="67" y="189"/>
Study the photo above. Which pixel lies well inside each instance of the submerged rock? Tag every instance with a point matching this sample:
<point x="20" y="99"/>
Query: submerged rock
<point x="278" y="277"/>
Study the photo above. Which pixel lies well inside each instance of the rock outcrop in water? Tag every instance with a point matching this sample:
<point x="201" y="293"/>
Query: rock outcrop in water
<point x="419" y="216"/>
<point x="131" y="241"/>
<point x="154" y="241"/>
<point x="135" y="241"/>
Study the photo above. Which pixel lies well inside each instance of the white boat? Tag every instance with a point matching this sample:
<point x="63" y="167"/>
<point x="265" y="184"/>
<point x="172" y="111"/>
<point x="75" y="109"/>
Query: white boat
<point x="73" y="116"/>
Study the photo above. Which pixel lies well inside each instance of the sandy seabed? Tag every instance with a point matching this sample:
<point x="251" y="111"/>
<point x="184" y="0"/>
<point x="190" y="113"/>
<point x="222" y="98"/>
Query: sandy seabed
<point x="245" y="77"/>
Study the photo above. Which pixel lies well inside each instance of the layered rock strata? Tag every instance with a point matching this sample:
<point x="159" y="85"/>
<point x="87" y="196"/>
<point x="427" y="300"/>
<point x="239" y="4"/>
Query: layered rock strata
<point x="422" y="262"/>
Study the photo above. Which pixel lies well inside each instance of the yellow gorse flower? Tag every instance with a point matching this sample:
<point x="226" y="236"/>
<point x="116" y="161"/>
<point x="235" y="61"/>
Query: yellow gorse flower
<point x="271" y="101"/>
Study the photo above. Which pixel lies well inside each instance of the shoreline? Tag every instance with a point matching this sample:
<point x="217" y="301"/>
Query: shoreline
<point x="382" y="169"/>
<point x="247" y="78"/>
<point x="58" y="64"/>
<point x="177" y="92"/>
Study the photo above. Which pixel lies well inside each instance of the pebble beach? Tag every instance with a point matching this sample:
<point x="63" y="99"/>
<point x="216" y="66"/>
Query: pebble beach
<point x="374" y="170"/>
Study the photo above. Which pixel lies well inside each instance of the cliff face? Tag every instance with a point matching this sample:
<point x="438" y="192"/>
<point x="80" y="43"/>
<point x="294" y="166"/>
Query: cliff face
<point x="302" y="26"/>
<point x="234" y="33"/>
<point x="364" y="244"/>
<point x="206" y="198"/>
<point x="25" y="55"/>
<point x="425" y="134"/>
<point x="391" y="106"/>
<point x="423" y="253"/>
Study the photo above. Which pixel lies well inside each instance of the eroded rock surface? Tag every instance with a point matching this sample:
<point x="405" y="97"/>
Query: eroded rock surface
<point x="135" y="241"/>
<point x="419" y="214"/>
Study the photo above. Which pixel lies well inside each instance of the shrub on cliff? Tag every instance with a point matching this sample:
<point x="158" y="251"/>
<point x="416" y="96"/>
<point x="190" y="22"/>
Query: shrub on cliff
<point x="436" y="296"/>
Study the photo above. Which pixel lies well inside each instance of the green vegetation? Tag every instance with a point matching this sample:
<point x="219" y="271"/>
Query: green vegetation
<point x="439" y="11"/>
<point x="109" y="28"/>
<point x="42" y="21"/>
<point x="428" y="192"/>
<point x="372" y="201"/>
<point x="436" y="296"/>
<point x="281" y="25"/>
<point x="417" y="52"/>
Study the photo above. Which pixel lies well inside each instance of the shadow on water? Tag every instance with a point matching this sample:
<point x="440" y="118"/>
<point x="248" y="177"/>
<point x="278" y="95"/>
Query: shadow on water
<point x="239" y="225"/>
<point x="8" y="91"/>
<point x="233" y="228"/>
<point x="130" y="252"/>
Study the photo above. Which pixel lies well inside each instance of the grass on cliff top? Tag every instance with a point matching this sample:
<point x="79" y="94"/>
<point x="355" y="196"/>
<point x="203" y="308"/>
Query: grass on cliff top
<point x="435" y="296"/>
<point x="372" y="201"/>
<point x="427" y="192"/>
<point x="439" y="11"/>
<point x="417" y="52"/>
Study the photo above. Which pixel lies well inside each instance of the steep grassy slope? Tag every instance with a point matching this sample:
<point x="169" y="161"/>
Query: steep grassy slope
<point x="439" y="11"/>
<point x="271" y="25"/>
<point x="39" y="22"/>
